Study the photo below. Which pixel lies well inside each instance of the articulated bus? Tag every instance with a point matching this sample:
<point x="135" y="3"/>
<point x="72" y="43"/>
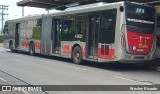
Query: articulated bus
<point x="101" y="32"/>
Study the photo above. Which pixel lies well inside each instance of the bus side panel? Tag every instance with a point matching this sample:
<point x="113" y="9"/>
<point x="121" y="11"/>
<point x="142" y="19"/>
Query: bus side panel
<point x="23" y="36"/>
<point x="30" y="32"/>
<point x="119" y="53"/>
<point x="36" y="34"/>
<point x="9" y="34"/>
<point x="67" y="48"/>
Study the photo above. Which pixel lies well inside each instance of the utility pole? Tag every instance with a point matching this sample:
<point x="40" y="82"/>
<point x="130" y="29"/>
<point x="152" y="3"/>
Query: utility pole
<point x="22" y="11"/>
<point x="3" y="14"/>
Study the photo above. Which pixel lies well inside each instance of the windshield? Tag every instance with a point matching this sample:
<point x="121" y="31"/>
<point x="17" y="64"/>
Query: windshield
<point x="139" y="15"/>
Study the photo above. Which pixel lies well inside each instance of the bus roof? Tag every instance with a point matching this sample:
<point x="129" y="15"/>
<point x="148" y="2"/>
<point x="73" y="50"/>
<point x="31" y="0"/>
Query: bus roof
<point x="78" y="9"/>
<point x="50" y="4"/>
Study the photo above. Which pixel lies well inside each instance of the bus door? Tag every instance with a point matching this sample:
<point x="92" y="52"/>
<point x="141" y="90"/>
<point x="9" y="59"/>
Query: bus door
<point x="92" y="36"/>
<point x="57" y="28"/>
<point x="107" y="34"/>
<point x="17" y="31"/>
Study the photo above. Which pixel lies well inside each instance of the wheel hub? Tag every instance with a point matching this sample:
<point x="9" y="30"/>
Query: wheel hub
<point x="78" y="55"/>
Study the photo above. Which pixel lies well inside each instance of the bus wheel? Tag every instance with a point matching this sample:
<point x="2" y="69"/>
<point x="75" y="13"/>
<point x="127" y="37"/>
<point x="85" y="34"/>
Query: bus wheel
<point x="31" y="49"/>
<point x="77" y="55"/>
<point x="11" y="47"/>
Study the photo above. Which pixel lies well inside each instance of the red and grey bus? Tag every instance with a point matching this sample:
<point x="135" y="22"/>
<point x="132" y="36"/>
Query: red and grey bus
<point x="100" y="32"/>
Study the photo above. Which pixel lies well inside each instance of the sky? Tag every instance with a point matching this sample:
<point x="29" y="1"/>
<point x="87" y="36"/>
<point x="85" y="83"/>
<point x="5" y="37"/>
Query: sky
<point x="15" y="11"/>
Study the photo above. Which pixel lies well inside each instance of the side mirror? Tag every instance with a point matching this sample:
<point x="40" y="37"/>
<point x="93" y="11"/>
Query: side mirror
<point x="121" y="8"/>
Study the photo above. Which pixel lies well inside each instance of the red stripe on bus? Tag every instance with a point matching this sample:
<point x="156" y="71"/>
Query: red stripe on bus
<point x="37" y="45"/>
<point x="110" y="54"/>
<point x="26" y="45"/>
<point x="67" y="49"/>
<point x="83" y="50"/>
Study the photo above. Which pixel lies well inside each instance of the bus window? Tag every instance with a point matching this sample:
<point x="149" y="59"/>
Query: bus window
<point x="81" y="27"/>
<point x="37" y="29"/>
<point x="107" y="30"/>
<point x="140" y="16"/>
<point x="69" y="28"/>
<point x="5" y="30"/>
<point x="79" y="22"/>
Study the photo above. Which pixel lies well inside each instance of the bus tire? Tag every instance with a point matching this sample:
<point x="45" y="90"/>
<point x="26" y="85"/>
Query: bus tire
<point x="11" y="46"/>
<point x="31" y="49"/>
<point x="77" y="55"/>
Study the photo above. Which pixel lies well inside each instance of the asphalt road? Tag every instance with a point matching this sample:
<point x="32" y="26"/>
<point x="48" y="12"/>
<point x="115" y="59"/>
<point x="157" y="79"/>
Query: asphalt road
<point x="22" y="69"/>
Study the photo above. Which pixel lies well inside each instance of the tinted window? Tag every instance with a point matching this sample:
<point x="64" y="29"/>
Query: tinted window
<point x="141" y="16"/>
<point x="81" y="27"/>
<point x="108" y="23"/>
<point x="69" y="27"/>
<point x="5" y="29"/>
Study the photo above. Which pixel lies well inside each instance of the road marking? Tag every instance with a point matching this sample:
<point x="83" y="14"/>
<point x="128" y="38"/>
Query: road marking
<point x="74" y="67"/>
<point x="3" y="79"/>
<point x="131" y="80"/>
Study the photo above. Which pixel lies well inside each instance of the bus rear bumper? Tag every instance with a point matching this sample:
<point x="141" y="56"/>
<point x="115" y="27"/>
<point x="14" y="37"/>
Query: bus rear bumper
<point x="125" y="57"/>
<point x="133" y="61"/>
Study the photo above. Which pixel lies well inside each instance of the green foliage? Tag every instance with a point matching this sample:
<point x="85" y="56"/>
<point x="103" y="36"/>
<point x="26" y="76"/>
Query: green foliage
<point x="1" y="38"/>
<point x="37" y="33"/>
<point x="73" y="28"/>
